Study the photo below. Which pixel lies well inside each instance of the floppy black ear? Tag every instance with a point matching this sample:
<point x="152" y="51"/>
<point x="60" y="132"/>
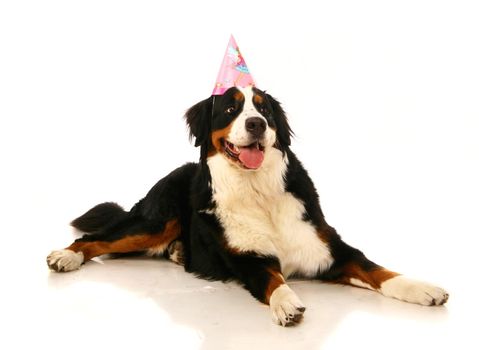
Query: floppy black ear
<point x="198" y="119"/>
<point x="283" y="130"/>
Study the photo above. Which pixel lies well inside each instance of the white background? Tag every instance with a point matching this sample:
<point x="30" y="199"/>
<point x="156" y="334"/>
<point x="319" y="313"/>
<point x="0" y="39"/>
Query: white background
<point x="382" y="96"/>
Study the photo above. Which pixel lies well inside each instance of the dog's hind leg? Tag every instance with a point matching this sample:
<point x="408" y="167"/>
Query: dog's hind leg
<point x="176" y="252"/>
<point x="150" y="226"/>
<point x="130" y="237"/>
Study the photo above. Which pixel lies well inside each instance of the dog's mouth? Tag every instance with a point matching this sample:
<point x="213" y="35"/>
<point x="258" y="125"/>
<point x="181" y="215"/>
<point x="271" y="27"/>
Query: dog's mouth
<point x="249" y="157"/>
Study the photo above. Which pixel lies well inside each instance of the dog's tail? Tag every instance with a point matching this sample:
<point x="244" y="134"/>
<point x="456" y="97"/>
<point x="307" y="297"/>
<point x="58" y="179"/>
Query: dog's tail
<point x="98" y="218"/>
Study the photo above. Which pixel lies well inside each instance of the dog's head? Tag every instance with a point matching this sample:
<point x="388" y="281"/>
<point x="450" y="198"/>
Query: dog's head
<point x="241" y="125"/>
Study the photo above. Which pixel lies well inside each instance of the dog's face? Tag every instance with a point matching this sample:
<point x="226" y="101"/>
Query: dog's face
<point x="241" y="125"/>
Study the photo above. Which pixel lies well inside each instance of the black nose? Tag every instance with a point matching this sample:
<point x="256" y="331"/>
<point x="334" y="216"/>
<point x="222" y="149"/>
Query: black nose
<point x="256" y="126"/>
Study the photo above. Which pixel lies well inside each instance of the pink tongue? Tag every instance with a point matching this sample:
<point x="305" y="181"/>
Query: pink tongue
<point x="251" y="157"/>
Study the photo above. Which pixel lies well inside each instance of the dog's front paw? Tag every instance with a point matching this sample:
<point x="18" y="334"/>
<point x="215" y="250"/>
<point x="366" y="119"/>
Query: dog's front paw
<point x="286" y="308"/>
<point x="64" y="260"/>
<point x="413" y="291"/>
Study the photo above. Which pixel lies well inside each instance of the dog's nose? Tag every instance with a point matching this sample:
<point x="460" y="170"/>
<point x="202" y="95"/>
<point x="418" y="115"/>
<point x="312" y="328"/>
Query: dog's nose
<point x="256" y="126"/>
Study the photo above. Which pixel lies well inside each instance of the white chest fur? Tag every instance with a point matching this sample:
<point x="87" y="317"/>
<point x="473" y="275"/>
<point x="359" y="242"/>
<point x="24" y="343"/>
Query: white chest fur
<point x="259" y="216"/>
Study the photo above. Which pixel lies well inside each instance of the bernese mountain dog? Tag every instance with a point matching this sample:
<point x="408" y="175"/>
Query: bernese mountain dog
<point x="248" y="211"/>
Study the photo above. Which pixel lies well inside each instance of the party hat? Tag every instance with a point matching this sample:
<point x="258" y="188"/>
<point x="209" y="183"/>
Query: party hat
<point x="233" y="71"/>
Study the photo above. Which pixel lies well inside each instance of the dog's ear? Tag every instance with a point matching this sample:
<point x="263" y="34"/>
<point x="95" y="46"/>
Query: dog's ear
<point x="198" y="119"/>
<point x="283" y="130"/>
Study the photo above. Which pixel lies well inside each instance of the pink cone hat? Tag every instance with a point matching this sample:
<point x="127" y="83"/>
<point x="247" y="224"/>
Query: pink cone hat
<point x="233" y="71"/>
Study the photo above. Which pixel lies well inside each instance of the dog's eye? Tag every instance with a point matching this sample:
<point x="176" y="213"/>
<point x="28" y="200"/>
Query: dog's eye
<point x="264" y="110"/>
<point x="230" y="110"/>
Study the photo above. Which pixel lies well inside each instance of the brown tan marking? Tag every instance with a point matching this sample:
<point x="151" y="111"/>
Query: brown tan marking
<point x="276" y="280"/>
<point x="258" y="99"/>
<point x="324" y="236"/>
<point x="374" y="277"/>
<point x="133" y="243"/>
<point x="238" y="96"/>
<point x="216" y="137"/>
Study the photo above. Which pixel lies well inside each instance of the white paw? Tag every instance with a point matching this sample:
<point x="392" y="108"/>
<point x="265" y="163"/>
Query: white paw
<point x="286" y="308"/>
<point x="64" y="260"/>
<point x="413" y="291"/>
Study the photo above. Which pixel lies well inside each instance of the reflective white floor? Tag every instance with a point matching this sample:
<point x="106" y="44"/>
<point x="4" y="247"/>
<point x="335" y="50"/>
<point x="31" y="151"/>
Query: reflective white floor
<point x="152" y="303"/>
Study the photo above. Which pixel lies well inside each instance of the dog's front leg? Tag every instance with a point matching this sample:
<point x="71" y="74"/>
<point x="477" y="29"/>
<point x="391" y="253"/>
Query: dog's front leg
<point x="263" y="278"/>
<point x="361" y="272"/>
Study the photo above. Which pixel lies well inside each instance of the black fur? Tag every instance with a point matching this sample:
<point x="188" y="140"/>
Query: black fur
<point x="283" y="131"/>
<point x="99" y="217"/>
<point x="198" y="120"/>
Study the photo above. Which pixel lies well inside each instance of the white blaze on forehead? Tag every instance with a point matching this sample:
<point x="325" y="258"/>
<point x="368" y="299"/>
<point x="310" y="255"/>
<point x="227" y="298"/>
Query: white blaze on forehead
<point x="238" y="134"/>
<point x="249" y="109"/>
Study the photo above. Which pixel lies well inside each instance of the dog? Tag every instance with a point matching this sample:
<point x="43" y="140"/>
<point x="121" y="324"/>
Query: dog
<point x="247" y="211"/>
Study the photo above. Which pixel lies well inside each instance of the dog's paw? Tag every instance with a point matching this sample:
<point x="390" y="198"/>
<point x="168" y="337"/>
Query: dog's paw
<point x="176" y="253"/>
<point x="64" y="260"/>
<point x="413" y="291"/>
<point x="286" y="308"/>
